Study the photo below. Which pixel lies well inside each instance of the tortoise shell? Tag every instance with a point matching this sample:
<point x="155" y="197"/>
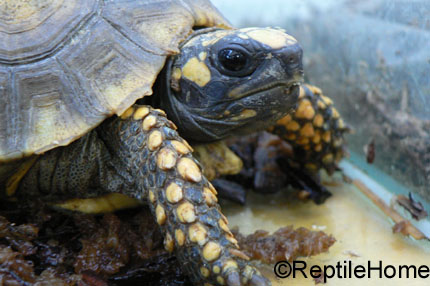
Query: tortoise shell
<point x="65" y="66"/>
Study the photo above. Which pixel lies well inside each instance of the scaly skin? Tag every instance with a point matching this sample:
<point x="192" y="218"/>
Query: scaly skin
<point x="223" y="83"/>
<point x="141" y="155"/>
<point x="315" y="131"/>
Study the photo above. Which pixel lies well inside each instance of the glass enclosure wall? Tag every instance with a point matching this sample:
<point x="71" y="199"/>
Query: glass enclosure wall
<point x="372" y="57"/>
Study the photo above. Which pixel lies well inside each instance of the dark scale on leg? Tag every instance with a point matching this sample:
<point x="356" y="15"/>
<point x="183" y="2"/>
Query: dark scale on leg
<point x="82" y="169"/>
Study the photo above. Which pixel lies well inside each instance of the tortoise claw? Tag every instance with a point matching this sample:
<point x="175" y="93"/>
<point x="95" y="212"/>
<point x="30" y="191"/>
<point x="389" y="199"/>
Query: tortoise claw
<point x="250" y="278"/>
<point x="258" y="280"/>
<point x="233" y="279"/>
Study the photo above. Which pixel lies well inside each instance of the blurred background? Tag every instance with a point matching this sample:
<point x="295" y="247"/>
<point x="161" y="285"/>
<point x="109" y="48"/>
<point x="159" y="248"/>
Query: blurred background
<point x="372" y="57"/>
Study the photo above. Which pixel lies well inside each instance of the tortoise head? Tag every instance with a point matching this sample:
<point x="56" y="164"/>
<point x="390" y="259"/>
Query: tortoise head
<point x="230" y="82"/>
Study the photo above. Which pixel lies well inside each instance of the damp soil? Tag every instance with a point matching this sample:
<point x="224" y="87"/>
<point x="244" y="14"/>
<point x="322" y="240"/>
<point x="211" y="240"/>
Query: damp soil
<point x="125" y="248"/>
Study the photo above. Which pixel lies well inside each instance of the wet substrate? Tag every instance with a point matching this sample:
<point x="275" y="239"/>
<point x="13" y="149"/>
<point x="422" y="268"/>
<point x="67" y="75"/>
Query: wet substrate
<point x="52" y="248"/>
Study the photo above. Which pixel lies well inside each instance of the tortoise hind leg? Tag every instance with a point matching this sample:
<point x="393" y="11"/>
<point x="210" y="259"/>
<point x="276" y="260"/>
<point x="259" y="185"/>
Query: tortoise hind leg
<point x="182" y="200"/>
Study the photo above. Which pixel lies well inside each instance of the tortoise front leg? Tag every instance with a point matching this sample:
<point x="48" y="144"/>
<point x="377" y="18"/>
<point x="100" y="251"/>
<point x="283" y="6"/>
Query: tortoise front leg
<point x="182" y="200"/>
<point x="314" y="130"/>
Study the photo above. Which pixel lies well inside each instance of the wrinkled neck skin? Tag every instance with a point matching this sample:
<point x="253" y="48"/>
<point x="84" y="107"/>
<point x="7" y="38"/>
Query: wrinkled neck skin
<point x="214" y="111"/>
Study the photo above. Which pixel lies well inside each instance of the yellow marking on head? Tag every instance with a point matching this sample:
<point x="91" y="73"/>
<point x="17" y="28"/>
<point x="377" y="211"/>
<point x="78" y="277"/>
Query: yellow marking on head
<point x="140" y="113"/>
<point x="180" y="237"/>
<point x="169" y="244"/>
<point x="189" y="170"/>
<point x="127" y="113"/>
<point x="103" y="204"/>
<point x="305" y="110"/>
<point x="318" y="147"/>
<point x="174" y="193"/>
<point x="293" y="126"/>
<point x="272" y="38"/>
<point x="160" y="214"/>
<point x="166" y="159"/>
<point x="202" y="56"/>
<point x="245" y="114"/>
<point x="197" y="72"/>
<point x="154" y="140"/>
<point x="193" y="41"/>
<point x="209" y="42"/>
<point x="197" y="233"/>
<point x="211" y="251"/>
<point x="13" y="182"/>
<point x="307" y="130"/>
<point x="185" y="213"/>
<point x="215" y="37"/>
<point x="318" y="120"/>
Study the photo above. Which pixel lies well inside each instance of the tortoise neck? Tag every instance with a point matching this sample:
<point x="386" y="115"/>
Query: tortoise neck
<point x="187" y="120"/>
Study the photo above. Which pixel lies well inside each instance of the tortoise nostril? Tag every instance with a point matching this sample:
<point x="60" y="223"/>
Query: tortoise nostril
<point x="291" y="56"/>
<point x="292" y="59"/>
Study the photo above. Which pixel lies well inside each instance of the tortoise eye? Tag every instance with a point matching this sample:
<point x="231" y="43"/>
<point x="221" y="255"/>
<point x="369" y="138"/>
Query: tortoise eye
<point x="233" y="60"/>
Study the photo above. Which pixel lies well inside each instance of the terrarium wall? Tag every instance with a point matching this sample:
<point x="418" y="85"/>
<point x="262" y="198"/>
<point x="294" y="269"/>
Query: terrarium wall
<point x="372" y="57"/>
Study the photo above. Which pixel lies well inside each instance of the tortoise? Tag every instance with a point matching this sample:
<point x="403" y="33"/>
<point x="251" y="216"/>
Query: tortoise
<point x="78" y="122"/>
